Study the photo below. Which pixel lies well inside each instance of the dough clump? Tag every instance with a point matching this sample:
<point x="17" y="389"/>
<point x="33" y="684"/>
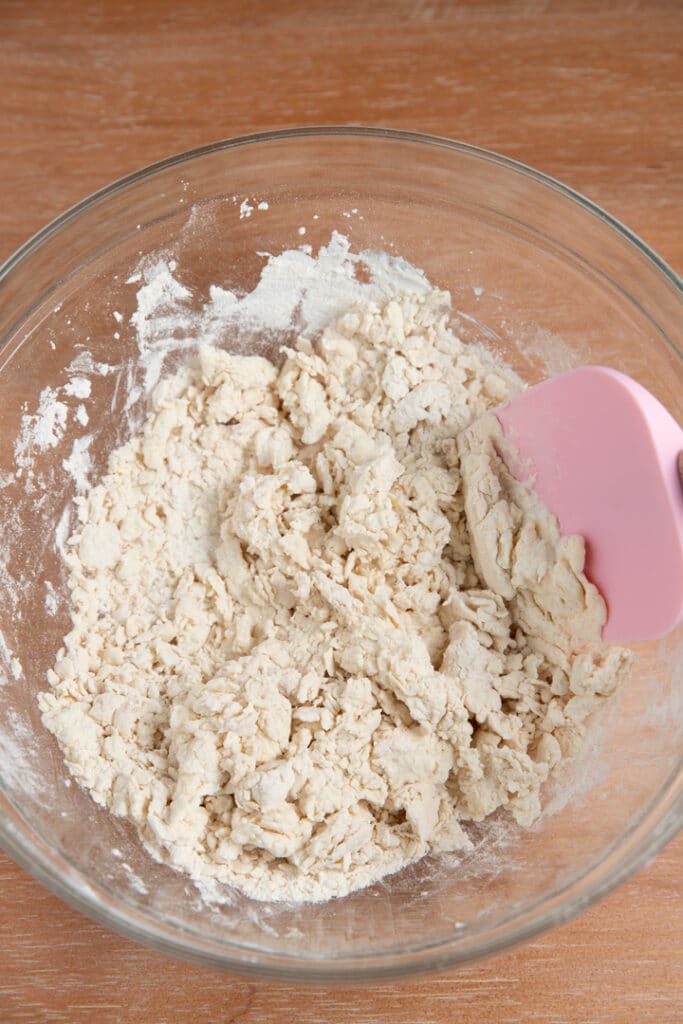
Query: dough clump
<point x="317" y="625"/>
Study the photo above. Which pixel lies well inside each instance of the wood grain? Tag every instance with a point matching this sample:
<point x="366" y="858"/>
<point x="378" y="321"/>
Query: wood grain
<point x="591" y="93"/>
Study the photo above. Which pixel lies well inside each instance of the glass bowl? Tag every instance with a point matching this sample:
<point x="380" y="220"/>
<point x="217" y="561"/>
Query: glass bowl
<point x="551" y="281"/>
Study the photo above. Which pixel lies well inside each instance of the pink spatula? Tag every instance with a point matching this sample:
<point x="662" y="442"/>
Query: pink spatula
<point x="604" y="455"/>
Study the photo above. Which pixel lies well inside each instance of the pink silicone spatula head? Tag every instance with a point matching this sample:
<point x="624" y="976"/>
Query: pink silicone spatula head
<point x="603" y="455"/>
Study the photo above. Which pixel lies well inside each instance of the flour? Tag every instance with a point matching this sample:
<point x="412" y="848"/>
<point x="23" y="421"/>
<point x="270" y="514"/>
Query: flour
<point x="81" y="416"/>
<point x="313" y="637"/>
<point x="79" y="464"/>
<point x="47" y="428"/>
<point x="296" y="290"/>
<point x="6" y="656"/>
<point x="51" y="599"/>
<point x="78" y="387"/>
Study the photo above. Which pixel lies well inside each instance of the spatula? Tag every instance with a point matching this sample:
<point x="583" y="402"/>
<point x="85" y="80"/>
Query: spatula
<point x="607" y="459"/>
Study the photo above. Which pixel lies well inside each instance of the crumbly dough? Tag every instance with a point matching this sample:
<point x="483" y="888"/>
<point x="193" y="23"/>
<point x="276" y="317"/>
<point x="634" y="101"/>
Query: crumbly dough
<point x="313" y="635"/>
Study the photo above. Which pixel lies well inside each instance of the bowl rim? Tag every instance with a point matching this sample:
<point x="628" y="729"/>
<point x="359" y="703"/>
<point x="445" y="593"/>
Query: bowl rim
<point x="359" y="131"/>
<point x="565" y="902"/>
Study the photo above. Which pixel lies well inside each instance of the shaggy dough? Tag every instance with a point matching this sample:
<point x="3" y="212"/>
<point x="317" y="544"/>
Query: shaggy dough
<point x="312" y="634"/>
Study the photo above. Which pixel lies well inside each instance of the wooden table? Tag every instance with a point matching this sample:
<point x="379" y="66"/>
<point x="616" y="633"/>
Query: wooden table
<point x="589" y="92"/>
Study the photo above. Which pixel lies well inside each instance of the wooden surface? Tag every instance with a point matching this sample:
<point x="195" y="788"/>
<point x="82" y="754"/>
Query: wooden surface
<point x="589" y="92"/>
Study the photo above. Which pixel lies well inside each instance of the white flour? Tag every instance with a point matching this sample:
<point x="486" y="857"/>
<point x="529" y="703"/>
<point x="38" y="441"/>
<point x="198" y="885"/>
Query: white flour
<point x="47" y="427"/>
<point x="312" y="636"/>
<point x="296" y="289"/>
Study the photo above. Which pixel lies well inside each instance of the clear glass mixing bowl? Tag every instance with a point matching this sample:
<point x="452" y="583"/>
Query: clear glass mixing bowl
<point x="551" y="281"/>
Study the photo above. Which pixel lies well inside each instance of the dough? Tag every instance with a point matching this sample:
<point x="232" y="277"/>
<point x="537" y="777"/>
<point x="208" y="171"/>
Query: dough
<point x="313" y="635"/>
